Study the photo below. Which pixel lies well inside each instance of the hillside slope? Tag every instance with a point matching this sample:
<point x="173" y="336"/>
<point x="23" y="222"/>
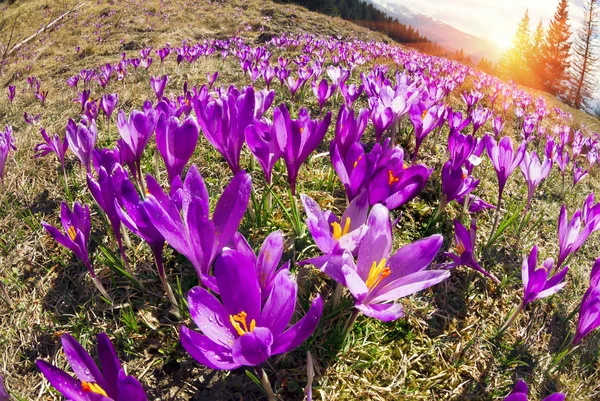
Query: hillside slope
<point x="445" y="348"/>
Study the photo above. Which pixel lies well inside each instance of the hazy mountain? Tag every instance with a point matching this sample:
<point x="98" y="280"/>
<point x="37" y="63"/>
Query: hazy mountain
<point x="437" y="31"/>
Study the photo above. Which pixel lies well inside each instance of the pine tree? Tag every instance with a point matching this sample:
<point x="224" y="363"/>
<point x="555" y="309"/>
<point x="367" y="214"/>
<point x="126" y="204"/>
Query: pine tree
<point x="535" y="55"/>
<point x="584" y="59"/>
<point x="555" y="52"/>
<point x="514" y="63"/>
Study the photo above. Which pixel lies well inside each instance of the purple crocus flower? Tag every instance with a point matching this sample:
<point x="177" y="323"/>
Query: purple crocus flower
<point x="376" y="278"/>
<point x="4" y="396"/>
<point x="11" y="93"/>
<point x="297" y="138"/>
<point x="109" y="103"/>
<point x="589" y="311"/>
<point x="323" y="91"/>
<point x="578" y="173"/>
<point x="91" y="384"/>
<point x="424" y="121"/>
<point x="224" y="121"/>
<point x="571" y="236"/>
<point x="261" y="139"/>
<point x="350" y="93"/>
<point x="73" y="81"/>
<point x="534" y="172"/>
<point x="465" y="249"/>
<point x="31" y="119"/>
<point x="456" y="122"/>
<point x="158" y="85"/>
<point x="135" y="133"/>
<point x="136" y="219"/>
<point x="354" y="169"/>
<point x="194" y="234"/>
<point x="211" y="78"/>
<point x="479" y="116"/>
<point x="349" y="128"/>
<point x="456" y="183"/>
<point x="76" y="224"/>
<point x="52" y="145"/>
<point x="537" y="283"/>
<point x="475" y="203"/>
<point x="382" y="118"/>
<point x="505" y="160"/>
<point x="330" y="233"/>
<point x="460" y="147"/>
<point x="393" y="184"/>
<point x="239" y="330"/>
<point x="266" y="261"/>
<point x="82" y="140"/>
<point x="521" y="391"/>
<point x="105" y="190"/>
<point x="176" y="142"/>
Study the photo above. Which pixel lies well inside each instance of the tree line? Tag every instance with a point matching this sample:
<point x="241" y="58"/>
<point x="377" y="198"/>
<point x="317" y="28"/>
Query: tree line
<point x="364" y="14"/>
<point x="550" y="59"/>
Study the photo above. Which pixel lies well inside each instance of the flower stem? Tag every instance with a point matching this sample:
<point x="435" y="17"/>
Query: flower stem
<point x="512" y="317"/>
<point x="496" y="215"/>
<point x="163" y="278"/>
<point x="350" y="323"/>
<point x="265" y="383"/>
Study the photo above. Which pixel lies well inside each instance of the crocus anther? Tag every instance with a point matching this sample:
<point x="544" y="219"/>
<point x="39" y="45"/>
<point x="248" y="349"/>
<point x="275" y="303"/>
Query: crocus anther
<point x="72" y="233"/>
<point x="377" y="273"/>
<point x="338" y="232"/>
<point x="392" y="178"/>
<point x="90" y="387"/>
<point x="239" y="320"/>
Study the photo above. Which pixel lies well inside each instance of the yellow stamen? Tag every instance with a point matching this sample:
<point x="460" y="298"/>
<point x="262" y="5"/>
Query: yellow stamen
<point x="72" y="233"/>
<point x="356" y="162"/>
<point x="460" y="248"/>
<point x="392" y="178"/>
<point x="424" y="114"/>
<point x="239" y="323"/>
<point x="93" y="388"/>
<point x="338" y="232"/>
<point x="377" y="273"/>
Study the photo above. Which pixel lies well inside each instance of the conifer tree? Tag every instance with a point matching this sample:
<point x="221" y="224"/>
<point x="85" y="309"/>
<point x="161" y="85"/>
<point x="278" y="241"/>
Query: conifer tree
<point x="555" y="52"/>
<point x="535" y="55"/>
<point x="514" y="62"/>
<point x="583" y="67"/>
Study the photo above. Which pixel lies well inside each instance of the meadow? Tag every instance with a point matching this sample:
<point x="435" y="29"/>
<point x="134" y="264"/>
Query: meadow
<point x="254" y="201"/>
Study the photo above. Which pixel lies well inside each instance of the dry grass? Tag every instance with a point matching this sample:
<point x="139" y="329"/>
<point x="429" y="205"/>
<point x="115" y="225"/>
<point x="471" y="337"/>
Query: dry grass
<point x="445" y="349"/>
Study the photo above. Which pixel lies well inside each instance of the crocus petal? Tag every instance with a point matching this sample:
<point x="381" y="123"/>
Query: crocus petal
<point x="210" y="316"/>
<point x="408" y="285"/>
<point x="383" y="312"/>
<point x="238" y="284"/>
<point x="207" y="352"/>
<point x="279" y="308"/>
<point x="299" y="332"/>
<point x="377" y="243"/>
<point x="61" y="381"/>
<point x="268" y="259"/>
<point x="317" y="224"/>
<point x="130" y="389"/>
<point x="413" y="257"/>
<point x="253" y="348"/>
<point x="111" y="366"/>
<point x="231" y="207"/>
<point x="81" y="362"/>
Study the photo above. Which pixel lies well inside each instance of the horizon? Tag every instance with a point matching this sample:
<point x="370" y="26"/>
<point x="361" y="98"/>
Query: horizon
<point x="472" y="16"/>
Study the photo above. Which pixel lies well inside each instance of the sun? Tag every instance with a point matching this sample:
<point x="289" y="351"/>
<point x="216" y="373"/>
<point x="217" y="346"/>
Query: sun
<point x="503" y="41"/>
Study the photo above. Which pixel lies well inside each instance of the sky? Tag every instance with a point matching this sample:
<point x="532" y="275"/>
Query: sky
<point x="492" y="19"/>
